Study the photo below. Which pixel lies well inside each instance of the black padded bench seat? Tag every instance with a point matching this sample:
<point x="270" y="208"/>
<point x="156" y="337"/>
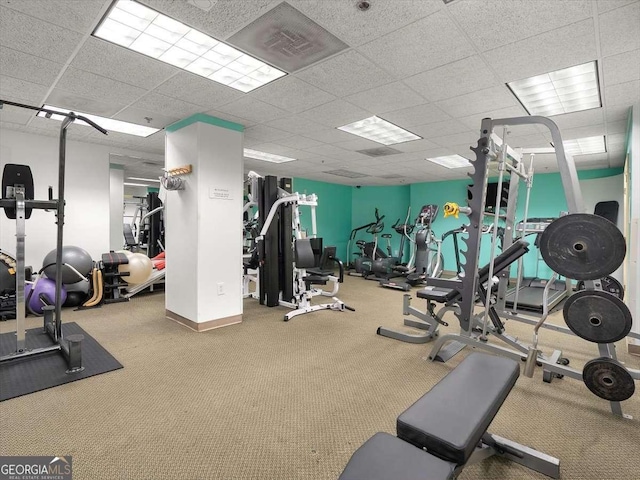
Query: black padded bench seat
<point x="502" y="261"/>
<point x="450" y="420"/>
<point x="401" y="462"/>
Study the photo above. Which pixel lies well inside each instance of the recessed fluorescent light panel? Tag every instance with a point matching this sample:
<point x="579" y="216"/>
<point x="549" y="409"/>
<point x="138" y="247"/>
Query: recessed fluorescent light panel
<point x="564" y="91"/>
<point x="144" y="179"/>
<point x="135" y="184"/>
<point x="267" y="157"/>
<point x="585" y="146"/>
<point x="451" y="161"/>
<point x="379" y="130"/>
<point x="151" y="33"/>
<point x="109" y="124"/>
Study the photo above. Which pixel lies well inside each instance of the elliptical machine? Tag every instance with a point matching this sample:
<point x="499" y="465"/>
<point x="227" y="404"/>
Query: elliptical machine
<point x="429" y="260"/>
<point x="369" y="251"/>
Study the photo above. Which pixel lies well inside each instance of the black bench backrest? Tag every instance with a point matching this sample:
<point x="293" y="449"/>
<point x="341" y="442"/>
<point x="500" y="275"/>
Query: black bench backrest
<point x="304" y="253"/>
<point x="506" y="258"/>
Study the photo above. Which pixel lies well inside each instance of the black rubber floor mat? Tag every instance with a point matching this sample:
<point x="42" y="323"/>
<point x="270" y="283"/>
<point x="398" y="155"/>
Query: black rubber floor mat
<point x="31" y="374"/>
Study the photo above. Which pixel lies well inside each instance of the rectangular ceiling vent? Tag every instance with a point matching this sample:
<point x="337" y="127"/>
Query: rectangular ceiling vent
<point x="287" y="39"/>
<point x="205" y="5"/>
<point x="346" y="173"/>
<point x="379" y="151"/>
<point x="447" y="1"/>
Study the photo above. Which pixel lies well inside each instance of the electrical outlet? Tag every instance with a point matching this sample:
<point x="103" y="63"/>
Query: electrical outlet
<point x="220" y="288"/>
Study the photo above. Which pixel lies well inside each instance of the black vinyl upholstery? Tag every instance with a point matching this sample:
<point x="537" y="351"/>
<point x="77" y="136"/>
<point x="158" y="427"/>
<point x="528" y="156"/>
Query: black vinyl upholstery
<point x="402" y="461"/>
<point x="304" y="253"/>
<point x="452" y="417"/>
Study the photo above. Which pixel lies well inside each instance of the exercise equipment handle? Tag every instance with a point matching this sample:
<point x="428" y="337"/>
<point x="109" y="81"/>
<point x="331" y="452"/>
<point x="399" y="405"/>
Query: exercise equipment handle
<point x="72" y="116"/>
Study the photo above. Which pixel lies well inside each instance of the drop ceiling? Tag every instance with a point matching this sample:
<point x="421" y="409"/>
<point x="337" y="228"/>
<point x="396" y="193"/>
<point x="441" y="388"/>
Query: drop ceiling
<point x="432" y="68"/>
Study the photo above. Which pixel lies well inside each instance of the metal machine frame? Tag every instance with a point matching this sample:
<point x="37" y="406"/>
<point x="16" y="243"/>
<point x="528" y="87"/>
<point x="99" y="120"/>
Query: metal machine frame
<point x="70" y="347"/>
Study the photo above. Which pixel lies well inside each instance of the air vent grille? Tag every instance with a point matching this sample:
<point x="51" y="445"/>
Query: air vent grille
<point x="287" y="39"/>
<point x="379" y="151"/>
<point x="346" y="173"/>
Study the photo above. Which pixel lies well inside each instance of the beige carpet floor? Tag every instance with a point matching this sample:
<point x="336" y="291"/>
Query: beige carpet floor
<point x="267" y="399"/>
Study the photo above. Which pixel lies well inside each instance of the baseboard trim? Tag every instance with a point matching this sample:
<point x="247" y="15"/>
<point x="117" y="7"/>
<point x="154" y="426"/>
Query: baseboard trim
<point x="203" y="326"/>
<point x="633" y="346"/>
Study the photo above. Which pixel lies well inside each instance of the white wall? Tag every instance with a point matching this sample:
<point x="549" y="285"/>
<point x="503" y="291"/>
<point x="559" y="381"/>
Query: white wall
<point x="87" y="213"/>
<point x="633" y="228"/>
<point x="603" y="190"/>
<point x="116" y="207"/>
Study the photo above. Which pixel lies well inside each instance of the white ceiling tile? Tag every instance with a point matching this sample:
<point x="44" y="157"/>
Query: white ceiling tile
<point x="617" y="127"/>
<point x="528" y="141"/>
<point x="354" y="27"/>
<point x="139" y="116"/>
<point x="477" y="102"/>
<point x="336" y="113"/>
<point x="554" y="50"/>
<point x="582" y="132"/>
<point x="616" y="140"/>
<point x="100" y="88"/>
<point x="415" y="146"/>
<point x="72" y="14"/>
<point x="346" y="73"/>
<point x="469" y="137"/>
<point x="606" y="5"/>
<point x="417" y="115"/>
<point x="223" y="19"/>
<point x="622" y="94"/>
<point x="46" y="126"/>
<point x="21" y="91"/>
<point x="579" y="119"/>
<point x="28" y="67"/>
<point x="326" y="150"/>
<point x="493" y="23"/>
<point x="620" y="30"/>
<point x="252" y="109"/>
<point x="296" y="124"/>
<point x="35" y="37"/>
<point x="274" y="148"/>
<point x="15" y="115"/>
<point x="116" y="62"/>
<point x="299" y="142"/>
<point x="385" y="98"/>
<point x="232" y="118"/>
<point x="474" y="121"/>
<point x="464" y="76"/>
<point x="167" y="106"/>
<point x="420" y="46"/>
<point x="66" y="99"/>
<point x="198" y="90"/>
<point x="332" y="135"/>
<point x="440" y="129"/>
<point x="621" y="68"/>
<point x="616" y="113"/>
<point x="265" y="133"/>
<point x="292" y="94"/>
<point x="358" y="144"/>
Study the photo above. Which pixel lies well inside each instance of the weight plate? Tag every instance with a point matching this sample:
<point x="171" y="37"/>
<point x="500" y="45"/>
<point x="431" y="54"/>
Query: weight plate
<point x="597" y="316"/>
<point x="582" y="246"/>
<point x="609" y="284"/>
<point x="607" y="379"/>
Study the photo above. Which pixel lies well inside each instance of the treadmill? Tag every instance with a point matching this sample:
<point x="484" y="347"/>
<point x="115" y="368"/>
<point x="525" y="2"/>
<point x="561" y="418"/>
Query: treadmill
<point x="532" y="288"/>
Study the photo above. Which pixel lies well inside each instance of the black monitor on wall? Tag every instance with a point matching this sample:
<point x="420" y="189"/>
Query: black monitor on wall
<point x="492" y="191"/>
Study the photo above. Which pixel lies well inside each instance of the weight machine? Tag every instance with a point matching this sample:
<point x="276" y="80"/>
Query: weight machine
<point x="578" y="246"/>
<point x="18" y="202"/>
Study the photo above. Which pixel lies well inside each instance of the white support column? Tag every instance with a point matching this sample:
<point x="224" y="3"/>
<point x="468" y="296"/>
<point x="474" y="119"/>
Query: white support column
<point x="116" y="207"/>
<point x="203" y="224"/>
<point x="632" y="267"/>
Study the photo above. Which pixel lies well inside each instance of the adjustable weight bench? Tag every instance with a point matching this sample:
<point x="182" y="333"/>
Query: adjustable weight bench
<point x="429" y="320"/>
<point x="446" y="429"/>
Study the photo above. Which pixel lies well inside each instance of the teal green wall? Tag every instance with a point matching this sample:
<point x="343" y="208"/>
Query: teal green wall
<point x="392" y="202"/>
<point x="342" y="208"/>
<point x="333" y="213"/>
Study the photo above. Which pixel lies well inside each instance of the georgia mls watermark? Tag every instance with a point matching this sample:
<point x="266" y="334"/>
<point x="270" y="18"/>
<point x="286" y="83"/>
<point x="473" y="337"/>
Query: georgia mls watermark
<point x="35" y="468"/>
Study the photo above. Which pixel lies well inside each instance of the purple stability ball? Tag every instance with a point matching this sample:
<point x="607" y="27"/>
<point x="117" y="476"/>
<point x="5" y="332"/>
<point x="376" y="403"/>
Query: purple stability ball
<point x="45" y="287"/>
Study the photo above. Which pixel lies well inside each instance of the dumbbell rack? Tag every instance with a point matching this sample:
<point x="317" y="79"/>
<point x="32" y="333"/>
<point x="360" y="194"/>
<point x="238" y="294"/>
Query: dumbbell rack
<point x="486" y="151"/>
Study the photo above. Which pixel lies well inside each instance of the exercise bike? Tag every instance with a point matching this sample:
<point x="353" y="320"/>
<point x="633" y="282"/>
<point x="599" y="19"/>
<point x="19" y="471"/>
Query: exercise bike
<point x="368" y="251"/>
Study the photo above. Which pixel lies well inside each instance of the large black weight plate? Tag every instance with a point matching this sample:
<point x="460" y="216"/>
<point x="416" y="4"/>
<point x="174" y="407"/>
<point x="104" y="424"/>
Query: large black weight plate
<point x="597" y="316"/>
<point x="582" y="246"/>
<point x="609" y="284"/>
<point x="607" y="379"/>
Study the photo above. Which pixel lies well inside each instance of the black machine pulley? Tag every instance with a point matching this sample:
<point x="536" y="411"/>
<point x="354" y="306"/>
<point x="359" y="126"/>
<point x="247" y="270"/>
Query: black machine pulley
<point x="609" y="284"/>
<point x="608" y="379"/>
<point x="597" y="316"/>
<point x="582" y="246"/>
